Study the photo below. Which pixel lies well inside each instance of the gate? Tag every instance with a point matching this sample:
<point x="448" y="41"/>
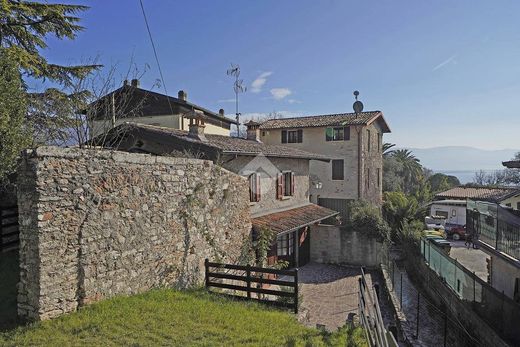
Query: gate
<point x="9" y="233"/>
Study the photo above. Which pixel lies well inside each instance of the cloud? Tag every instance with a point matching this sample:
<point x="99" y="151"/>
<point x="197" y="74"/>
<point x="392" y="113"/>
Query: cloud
<point x="258" y="83"/>
<point x="294" y="101"/>
<point x="280" y="93"/>
<point x="226" y="100"/>
<point x="446" y="62"/>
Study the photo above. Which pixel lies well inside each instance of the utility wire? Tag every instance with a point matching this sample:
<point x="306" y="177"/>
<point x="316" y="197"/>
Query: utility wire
<point x="155" y="54"/>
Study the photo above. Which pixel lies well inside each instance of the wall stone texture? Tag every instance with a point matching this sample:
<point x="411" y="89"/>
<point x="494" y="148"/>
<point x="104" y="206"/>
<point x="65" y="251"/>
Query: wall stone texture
<point x="94" y="224"/>
<point x="337" y="245"/>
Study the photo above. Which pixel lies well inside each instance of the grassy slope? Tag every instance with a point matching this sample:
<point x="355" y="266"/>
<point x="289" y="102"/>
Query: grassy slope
<point x="8" y="279"/>
<point x="168" y="317"/>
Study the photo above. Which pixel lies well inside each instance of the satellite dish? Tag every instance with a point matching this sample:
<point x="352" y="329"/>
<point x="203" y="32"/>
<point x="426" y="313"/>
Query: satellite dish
<point x="358" y="105"/>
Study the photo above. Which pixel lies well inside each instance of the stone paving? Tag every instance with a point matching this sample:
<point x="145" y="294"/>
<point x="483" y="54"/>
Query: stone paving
<point x="330" y="293"/>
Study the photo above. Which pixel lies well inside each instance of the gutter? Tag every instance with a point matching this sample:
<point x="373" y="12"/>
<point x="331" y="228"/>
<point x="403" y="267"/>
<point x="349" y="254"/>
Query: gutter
<point x="360" y="161"/>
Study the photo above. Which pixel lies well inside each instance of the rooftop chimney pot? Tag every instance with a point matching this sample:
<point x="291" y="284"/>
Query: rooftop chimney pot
<point x="182" y="95"/>
<point x="196" y="127"/>
<point x="135" y="83"/>
<point x="253" y="131"/>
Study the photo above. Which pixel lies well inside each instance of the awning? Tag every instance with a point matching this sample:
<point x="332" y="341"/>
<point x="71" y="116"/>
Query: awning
<point x="293" y="219"/>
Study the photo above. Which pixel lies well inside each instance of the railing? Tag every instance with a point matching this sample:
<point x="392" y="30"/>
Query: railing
<point x="370" y="316"/>
<point x="252" y="281"/>
<point x="9" y="233"/>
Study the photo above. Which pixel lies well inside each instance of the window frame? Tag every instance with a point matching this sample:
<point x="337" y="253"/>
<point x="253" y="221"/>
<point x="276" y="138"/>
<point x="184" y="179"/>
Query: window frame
<point x="254" y="187"/>
<point x="285" y="184"/>
<point x="333" y="137"/>
<point x="292" y="135"/>
<point x="342" y="169"/>
<point x="285" y="245"/>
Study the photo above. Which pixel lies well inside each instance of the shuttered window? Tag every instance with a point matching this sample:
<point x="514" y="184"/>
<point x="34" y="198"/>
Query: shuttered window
<point x="285" y="184"/>
<point x="337" y="134"/>
<point x="338" y="170"/>
<point x="254" y="187"/>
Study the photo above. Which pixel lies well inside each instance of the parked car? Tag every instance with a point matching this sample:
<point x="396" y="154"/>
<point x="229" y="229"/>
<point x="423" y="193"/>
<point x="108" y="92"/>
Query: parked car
<point x="457" y="232"/>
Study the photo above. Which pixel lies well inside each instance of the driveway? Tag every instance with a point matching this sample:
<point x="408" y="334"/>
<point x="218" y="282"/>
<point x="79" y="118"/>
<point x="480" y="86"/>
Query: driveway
<point x="472" y="259"/>
<point x="330" y="294"/>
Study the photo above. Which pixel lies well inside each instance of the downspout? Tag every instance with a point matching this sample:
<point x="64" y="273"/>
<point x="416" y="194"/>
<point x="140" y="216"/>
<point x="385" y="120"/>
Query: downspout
<point x="360" y="161"/>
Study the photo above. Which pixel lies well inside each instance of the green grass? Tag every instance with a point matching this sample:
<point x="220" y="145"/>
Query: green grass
<point x="9" y="273"/>
<point x="175" y="318"/>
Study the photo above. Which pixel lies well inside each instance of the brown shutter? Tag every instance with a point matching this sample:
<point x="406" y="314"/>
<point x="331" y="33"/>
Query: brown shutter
<point x="284" y="136"/>
<point x="292" y="183"/>
<point x="279" y="186"/>
<point x="257" y="187"/>
<point x="346" y="133"/>
<point x="250" y="180"/>
<point x="300" y="135"/>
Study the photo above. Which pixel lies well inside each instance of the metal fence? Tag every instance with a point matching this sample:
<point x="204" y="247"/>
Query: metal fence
<point x="495" y="308"/>
<point x="495" y="225"/>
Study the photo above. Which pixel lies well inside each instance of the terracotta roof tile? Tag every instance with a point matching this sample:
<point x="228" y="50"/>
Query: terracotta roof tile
<point x="293" y="219"/>
<point x="234" y="145"/>
<point x="340" y="119"/>
<point x="478" y="193"/>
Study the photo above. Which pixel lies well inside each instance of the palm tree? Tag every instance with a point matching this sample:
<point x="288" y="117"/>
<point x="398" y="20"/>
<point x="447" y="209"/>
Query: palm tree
<point x="386" y="149"/>
<point x="412" y="169"/>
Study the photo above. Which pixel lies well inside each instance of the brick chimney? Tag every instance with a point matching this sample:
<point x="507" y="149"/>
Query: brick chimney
<point x="182" y="95"/>
<point x="253" y="131"/>
<point x="196" y="127"/>
<point x="135" y="83"/>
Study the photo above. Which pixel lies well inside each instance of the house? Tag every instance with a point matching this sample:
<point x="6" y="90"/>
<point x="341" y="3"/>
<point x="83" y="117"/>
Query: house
<point x="507" y="196"/>
<point x="130" y="103"/>
<point x="353" y="141"/>
<point x="278" y="177"/>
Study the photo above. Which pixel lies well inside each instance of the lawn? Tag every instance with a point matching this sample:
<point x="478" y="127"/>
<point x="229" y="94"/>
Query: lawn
<point x="178" y="318"/>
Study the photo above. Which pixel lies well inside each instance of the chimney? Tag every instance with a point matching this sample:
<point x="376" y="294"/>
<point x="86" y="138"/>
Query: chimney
<point x="125" y="83"/>
<point x="253" y="131"/>
<point x="135" y="83"/>
<point x="182" y="95"/>
<point x="196" y="127"/>
<point x="221" y="112"/>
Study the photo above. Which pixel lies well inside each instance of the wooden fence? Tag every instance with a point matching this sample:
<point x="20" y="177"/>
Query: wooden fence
<point x="252" y="282"/>
<point x="9" y="233"/>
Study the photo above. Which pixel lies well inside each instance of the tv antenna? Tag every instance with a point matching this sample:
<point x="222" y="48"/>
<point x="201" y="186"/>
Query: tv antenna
<point x="238" y="87"/>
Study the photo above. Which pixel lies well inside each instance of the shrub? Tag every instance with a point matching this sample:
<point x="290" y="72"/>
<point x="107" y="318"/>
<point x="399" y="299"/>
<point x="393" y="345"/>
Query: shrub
<point x="367" y="218"/>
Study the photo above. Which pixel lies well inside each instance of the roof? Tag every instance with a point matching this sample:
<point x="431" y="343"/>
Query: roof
<point x="340" y="119"/>
<point x="512" y="164"/>
<point x="138" y="102"/>
<point x="479" y="193"/>
<point x="293" y="219"/>
<point x="230" y="145"/>
<point x="449" y="202"/>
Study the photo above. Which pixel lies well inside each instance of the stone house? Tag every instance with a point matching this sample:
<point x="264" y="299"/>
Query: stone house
<point x="278" y="177"/>
<point x="130" y="103"/>
<point x="354" y="143"/>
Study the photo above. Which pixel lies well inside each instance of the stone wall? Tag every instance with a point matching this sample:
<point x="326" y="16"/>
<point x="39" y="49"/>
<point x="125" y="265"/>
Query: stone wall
<point x="337" y="245"/>
<point x="94" y="224"/>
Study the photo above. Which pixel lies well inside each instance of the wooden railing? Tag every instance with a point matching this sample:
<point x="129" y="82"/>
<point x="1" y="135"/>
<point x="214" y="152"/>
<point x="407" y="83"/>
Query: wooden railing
<point x="252" y="281"/>
<point x="9" y="233"/>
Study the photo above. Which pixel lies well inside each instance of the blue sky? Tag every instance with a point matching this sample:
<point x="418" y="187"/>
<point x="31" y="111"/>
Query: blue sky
<point x="442" y="72"/>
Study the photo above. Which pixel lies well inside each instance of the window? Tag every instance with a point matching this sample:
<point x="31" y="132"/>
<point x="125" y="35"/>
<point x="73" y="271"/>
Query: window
<point x="453" y="212"/>
<point x="337" y="170"/>
<point x="254" y="187"/>
<point x="367" y="178"/>
<point x="368" y="140"/>
<point x="285" y="244"/>
<point x="263" y="133"/>
<point x="518" y="205"/>
<point x="378" y="177"/>
<point x="292" y="136"/>
<point x="443" y="214"/>
<point x="337" y="134"/>
<point x="508" y="204"/>
<point x="285" y="184"/>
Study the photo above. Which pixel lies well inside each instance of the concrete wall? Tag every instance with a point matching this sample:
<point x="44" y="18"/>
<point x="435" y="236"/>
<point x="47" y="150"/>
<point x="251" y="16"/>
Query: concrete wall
<point x="504" y="273"/>
<point x="314" y="141"/>
<point x="268" y="169"/>
<point x="331" y="244"/>
<point x="94" y="224"/>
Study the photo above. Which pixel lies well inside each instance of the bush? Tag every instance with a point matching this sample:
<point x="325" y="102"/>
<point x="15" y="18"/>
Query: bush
<point x="367" y="218"/>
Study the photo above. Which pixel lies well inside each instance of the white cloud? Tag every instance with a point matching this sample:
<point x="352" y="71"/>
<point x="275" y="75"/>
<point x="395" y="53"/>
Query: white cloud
<point x="280" y="93"/>
<point x="258" y="83"/>
<point x="294" y="101"/>
<point x="227" y="100"/>
<point x="446" y="62"/>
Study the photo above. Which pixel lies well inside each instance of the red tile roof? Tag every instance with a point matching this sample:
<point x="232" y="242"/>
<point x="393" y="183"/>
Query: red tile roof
<point x="293" y="219"/>
<point x="340" y="119"/>
<point x="478" y="193"/>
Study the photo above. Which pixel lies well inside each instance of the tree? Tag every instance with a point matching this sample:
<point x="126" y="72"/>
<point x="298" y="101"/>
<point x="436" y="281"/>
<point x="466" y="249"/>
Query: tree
<point x="387" y="149"/>
<point x="412" y="168"/>
<point x="393" y="180"/>
<point x="26" y="25"/>
<point x="366" y="218"/>
<point x="398" y="209"/>
<point x="440" y="182"/>
<point x="13" y="134"/>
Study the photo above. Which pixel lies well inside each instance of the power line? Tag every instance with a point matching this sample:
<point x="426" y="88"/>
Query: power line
<point x="155" y="54"/>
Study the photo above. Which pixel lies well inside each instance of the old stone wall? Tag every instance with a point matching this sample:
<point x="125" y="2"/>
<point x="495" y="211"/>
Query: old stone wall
<point x="94" y="224"/>
<point x="337" y="245"/>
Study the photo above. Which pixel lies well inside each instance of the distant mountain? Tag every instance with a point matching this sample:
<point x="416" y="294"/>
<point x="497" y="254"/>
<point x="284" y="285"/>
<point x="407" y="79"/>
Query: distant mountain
<point x="461" y="158"/>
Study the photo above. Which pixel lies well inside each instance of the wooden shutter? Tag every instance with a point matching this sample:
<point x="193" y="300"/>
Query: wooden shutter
<point x="300" y="135"/>
<point x="292" y="183"/>
<point x="251" y="192"/>
<point x="257" y="187"/>
<point x="346" y="133"/>
<point x="284" y="136"/>
<point x="279" y="186"/>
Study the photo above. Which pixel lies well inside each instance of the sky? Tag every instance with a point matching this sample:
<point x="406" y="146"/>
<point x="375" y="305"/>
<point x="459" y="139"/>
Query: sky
<point x="442" y="72"/>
